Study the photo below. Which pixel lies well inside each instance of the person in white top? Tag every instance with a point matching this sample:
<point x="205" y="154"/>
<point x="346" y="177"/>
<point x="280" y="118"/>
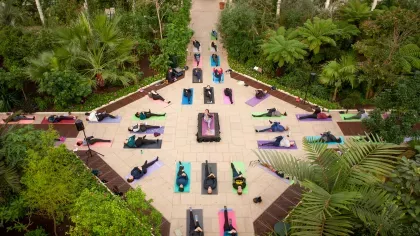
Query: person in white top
<point x="98" y="116"/>
<point x="280" y="141"/>
<point x="207" y="118"/>
<point x="361" y="114"/>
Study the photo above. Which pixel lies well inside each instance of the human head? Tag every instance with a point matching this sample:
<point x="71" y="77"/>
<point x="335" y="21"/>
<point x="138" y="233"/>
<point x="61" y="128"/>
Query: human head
<point x="137" y="114"/>
<point x="170" y="70"/>
<point x="209" y="190"/>
<point x="181" y="188"/>
<point x="239" y="190"/>
<point x="207" y="111"/>
<point x="292" y="143"/>
<point x="208" y="86"/>
<point x="329" y="116"/>
<point x="286" y="128"/>
<point x="79" y="143"/>
<point x="130" y="128"/>
<point x="130" y="179"/>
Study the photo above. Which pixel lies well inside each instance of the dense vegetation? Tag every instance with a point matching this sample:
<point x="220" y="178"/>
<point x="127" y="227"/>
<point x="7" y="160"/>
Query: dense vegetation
<point x="61" y="54"/>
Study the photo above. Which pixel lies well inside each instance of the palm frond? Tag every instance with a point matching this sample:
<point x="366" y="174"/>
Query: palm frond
<point x="9" y="178"/>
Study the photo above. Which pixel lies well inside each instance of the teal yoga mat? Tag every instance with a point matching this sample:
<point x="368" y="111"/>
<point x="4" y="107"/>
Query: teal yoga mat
<point x="330" y="143"/>
<point x="187" y="169"/>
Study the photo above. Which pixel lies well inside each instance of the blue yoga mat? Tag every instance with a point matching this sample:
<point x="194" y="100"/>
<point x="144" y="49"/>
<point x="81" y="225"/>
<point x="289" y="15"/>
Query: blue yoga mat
<point x="108" y="120"/>
<point x="330" y="143"/>
<point x="187" y="169"/>
<point x="216" y="80"/>
<point x="212" y="62"/>
<point x="185" y="99"/>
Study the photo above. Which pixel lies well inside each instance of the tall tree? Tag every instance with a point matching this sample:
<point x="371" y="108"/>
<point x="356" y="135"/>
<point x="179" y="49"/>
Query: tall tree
<point x="355" y="11"/>
<point x="40" y="12"/>
<point x="318" y="32"/>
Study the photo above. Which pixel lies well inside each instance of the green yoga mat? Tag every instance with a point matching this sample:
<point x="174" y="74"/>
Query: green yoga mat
<point x="267" y="117"/>
<point x="212" y="37"/>
<point x="239" y="166"/>
<point x="187" y="169"/>
<point x="349" y="115"/>
<point x="151" y="118"/>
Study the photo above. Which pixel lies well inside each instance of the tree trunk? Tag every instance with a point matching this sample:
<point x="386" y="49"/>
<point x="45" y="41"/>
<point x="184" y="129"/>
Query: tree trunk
<point x="134" y="6"/>
<point x="41" y="14"/>
<point x="158" y="15"/>
<point x="278" y="9"/>
<point x="374" y="3"/>
<point x="24" y="94"/>
<point x="55" y="224"/>
<point x="335" y="94"/>
<point x="327" y="4"/>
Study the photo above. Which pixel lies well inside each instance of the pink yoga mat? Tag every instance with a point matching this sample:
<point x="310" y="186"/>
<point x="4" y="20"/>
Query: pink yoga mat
<point x="226" y="99"/>
<point x="45" y="121"/>
<point x="254" y="101"/>
<point x="311" y="119"/>
<point x="204" y="127"/>
<point x="18" y="122"/>
<point x="99" y="144"/>
<point x="160" y="103"/>
<point x="150" y="170"/>
<point x="200" y="64"/>
<point x="273" y="147"/>
<point x="231" y="215"/>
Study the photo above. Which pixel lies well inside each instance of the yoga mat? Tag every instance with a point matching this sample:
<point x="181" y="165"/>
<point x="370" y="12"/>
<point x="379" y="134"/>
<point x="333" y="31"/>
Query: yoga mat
<point x="265" y="127"/>
<point x="196" y="80"/>
<point x="206" y="100"/>
<point x="231" y="215"/>
<point x="151" y="118"/>
<point x="273" y="118"/>
<point x="184" y="100"/>
<point x="239" y="166"/>
<point x="204" y="131"/>
<point x="254" y="101"/>
<point x="273" y="147"/>
<point x="160" y="130"/>
<point x="108" y="120"/>
<point x="226" y="99"/>
<point x="200" y="63"/>
<point x="62" y="140"/>
<point x="212" y="36"/>
<point x="62" y="122"/>
<point x="195" y="50"/>
<point x="98" y="144"/>
<point x="160" y="102"/>
<point x="18" y="122"/>
<point x="349" y="115"/>
<point x="212" y="62"/>
<point x="212" y="50"/>
<point x="329" y="143"/>
<point x="216" y="80"/>
<point x="199" y="214"/>
<point x="150" y="170"/>
<point x="157" y="145"/>
<point x="274" y="174"/>
<point x="213" y="168"/>
<point x="311" y="119"/>
<point x="187" y="169"/>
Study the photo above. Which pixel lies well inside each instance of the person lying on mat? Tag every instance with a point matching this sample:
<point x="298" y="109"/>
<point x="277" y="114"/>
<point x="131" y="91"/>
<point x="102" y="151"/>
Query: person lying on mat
<point x="280" y="141"/>
<point x="198" y="73"/>
<point x="327" y="137"/>
<point x="214" y="33"/>
<point x="188" y="94"/>
<point x="207" y="118"/>
<point x="239" y="181"/>
<point x="132" y="142"/>
<point x="208" y="93"/>
<point x="218" y="73"/>
<point x="259" y="93"/>
<point x="227" y="226"/>
<point x="270" y="113"/>
<point x="56" y="119"/>
<point x="195" y="228"/>
<point x="147" y="114"/>
<point x="139" y="171"/>
<point x="271" y="168"/>
<point x="196" y="44"/>
<point x="140" y="127"/>
<point x="98" y="116"/>
<point x="275" y="127"/>
<point x="197" y="58"/>
<point x="228" y="93"/>
<point x="316" y="115"/>
<point x="361" y="114"/>
<point x="210" y="182"/>
<point x="18" y="118"/>
<point x="213" y="45"/>
<point x="170" y="76"/>
<point x="181" y="178"/>
<point x="155" y="96"/>
<point x="215" y="58"/>
<point x="91" y="140"/>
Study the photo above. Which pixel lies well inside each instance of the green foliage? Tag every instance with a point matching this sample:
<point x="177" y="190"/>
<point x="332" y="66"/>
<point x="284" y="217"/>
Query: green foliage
<point x="355" y="11"/>
<point x="295" y="12"/>
<point x="12" y="211"/>
<point x="318" y="32"/>
<point x="407" y="58"/>
<point x="37" y="232"/>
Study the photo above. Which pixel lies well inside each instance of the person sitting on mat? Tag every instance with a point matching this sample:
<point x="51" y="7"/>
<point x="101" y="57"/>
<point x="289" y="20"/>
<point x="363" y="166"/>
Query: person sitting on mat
<point x="18" y="118"/>
<point x="227" y="226"/>
<point x="275" y="127"/>
<point x="155" y="96"/>
<point x="196" y="44"/>
<point x="215" y="58"/>
<point x="239" y="181"/>
<point x="147" y="114"/>
<point x="361" y="114"/>
<point x="218" y="73"/>
<point x="91" y="140"/>
<point x="188" y="94"/>
<point x="208" y="93"/>
<point x="228" y="93"/>
<point x="214" y="33"/>
<point x="98" y="116"/>
<point x="197" y="58"/>
<point x="140" y="127"/>
<point x="259" y="93"/>
<point x="170" y="76"/>
<point x="56" y="119"/>
<point x="195" y="228"/>
<point x="182" y="178"/>
<point x="207" y="118"/>
<point x="270" y="113"/>
<point x="132" y="142"/>
<point x="210" y="182"/>
<point x="327" y="137"/>
<point x="213" y="45"/>
<point x="280" y="141"/>
<point x="139" y="171"/>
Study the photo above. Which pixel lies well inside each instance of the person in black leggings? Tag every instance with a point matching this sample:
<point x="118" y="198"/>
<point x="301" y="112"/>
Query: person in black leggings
<point x="195" y="228"/>
<point x="227" y="226"/>
<point x="98" y="115"/>
<point x="139" y="171"/>
<point x="327" y="137"/>
<point x="197" y="58"/>
<point x="155" y="96"/>
<point x="140" y="141"/>
<point x="215" y="58"/>
<point x="91" y="140"/>
<point x="188" y="94"/>
<point x="148" y="114"/>
<point x="210" y="182"/>
<point x="213" y="45"/>
<point x="208" y="93"/>
<point x="181" y="178"/>
<point x="228" y="93"/>
<point x="18" y="118"/>
<point x="56" y="119"/>
<point x="313" y="115"/>
<point x="271" y="113"/>
<point x="140" y="127"/>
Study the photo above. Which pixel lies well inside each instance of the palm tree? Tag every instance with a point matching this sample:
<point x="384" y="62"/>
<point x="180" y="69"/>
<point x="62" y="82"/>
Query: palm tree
<point x="282" y="50"/>
<point x="337" y="72"/>
<point x="355" y="12"/>
<point x="340" y="191"/>
<point x="317" y="33"/>
<point x="407" y="57"/>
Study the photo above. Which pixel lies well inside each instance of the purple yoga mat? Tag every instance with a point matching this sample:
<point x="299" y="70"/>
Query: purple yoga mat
<point x="254" y="101"/>
<point x="311" y="119"/>
<point x="152" y="131"/>
<point x="150" y="170"/>
<point x="204" y="127"/>
<point x="108" y="120"/>
<point x="265" y="127"/>
<point x="272" y="147"/>
<point x="226" y="99"/>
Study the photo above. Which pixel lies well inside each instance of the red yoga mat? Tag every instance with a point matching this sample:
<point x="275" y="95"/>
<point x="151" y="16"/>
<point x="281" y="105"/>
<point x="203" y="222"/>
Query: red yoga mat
<point x="63" y="122"/>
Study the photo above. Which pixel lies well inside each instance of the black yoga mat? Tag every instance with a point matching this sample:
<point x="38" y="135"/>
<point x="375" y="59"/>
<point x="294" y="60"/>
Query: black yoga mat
<point x="206" y="99"/>
<point x="212" y="168"/>
<point x="157" y="145"/>
<point x="199" y="213"/>
<point x="195" y="79"/>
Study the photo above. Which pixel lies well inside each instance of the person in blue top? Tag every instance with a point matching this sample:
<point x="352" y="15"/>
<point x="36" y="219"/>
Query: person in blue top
<point x="132" y="142"/>
<point x="214" y="33"/>
<point x="181" y="178"/>
<point x="147" y="114"/>
<point x="228" y="228"/>
<point x="139" y="171"/>
<point x="275" y="127"/>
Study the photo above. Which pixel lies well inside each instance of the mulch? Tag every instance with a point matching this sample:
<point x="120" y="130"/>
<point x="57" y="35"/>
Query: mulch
<point x="352" y="128"/>
<point x="278" y="210"/>
<point x="278" y="94"/>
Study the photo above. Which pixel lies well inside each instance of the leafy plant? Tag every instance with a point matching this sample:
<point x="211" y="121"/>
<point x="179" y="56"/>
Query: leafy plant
<point x="355" y="11"/>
